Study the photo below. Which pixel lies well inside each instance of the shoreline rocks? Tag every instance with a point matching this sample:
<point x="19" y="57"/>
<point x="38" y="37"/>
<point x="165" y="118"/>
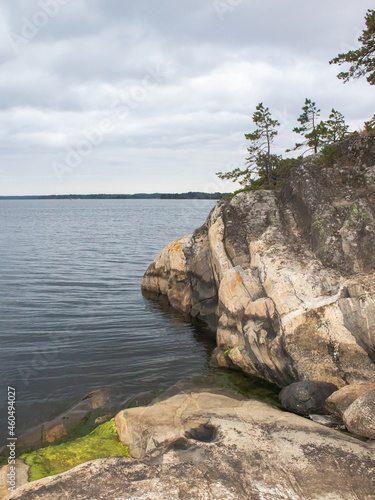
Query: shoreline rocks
<point x="197" y="442"/>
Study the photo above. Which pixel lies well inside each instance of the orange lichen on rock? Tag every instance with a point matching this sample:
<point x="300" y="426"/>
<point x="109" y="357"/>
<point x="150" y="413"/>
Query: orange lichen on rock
<point x="238" y="277"/>
<point x="175" y="246"/>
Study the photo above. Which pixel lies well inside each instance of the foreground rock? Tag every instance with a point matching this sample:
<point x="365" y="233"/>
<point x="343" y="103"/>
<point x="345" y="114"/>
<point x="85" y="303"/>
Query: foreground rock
<point x="286" y="277"/>
<point x="205" y="444"/>
<point x="359" y="418"/>
<point x="306" y="397"/>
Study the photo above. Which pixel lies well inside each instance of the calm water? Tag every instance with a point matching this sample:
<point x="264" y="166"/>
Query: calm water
<point x="72" y="316"/>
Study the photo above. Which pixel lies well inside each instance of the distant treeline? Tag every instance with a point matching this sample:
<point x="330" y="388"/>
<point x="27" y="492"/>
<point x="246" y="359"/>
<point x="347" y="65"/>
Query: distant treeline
<point x="192" y="195"/>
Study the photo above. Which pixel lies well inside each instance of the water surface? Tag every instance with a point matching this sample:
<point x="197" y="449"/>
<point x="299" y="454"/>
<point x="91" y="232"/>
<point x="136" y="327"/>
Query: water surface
<point x="72" y="316"/>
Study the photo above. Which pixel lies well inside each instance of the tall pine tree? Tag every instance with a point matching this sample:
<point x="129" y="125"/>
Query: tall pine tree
<point x="312" y="130"/>
<point x="261" y="162"/>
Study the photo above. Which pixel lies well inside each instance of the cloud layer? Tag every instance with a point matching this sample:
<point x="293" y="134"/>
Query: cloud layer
<point x="120" y="97"/>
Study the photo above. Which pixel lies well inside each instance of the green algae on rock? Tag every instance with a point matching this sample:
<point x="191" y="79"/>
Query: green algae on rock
<point x="103" y="442"/>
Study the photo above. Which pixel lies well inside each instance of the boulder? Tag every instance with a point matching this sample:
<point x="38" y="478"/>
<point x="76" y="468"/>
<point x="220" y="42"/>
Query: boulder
<point x="359" y="418"/>
<point x="340" y="400"/>
<point x="306" y="397"/>
<point x="207" y="444"/>
<point x="286" y="278"/>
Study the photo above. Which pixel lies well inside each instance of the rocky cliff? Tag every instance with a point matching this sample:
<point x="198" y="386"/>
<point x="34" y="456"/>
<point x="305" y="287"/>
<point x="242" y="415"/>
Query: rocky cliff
<point x="286" y="277"/>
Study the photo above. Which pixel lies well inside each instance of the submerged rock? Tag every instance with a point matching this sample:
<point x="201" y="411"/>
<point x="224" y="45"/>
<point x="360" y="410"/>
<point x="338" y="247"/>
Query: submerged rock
<point x="286" y="278"/>
<point x="208" y="444"/>
<point x="306" y="397"/>
<point x="50" y="431"/>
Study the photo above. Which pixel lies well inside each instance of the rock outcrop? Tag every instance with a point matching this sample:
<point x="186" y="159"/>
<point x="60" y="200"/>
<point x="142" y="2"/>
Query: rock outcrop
<point x="205" y="444"/>
<point x="286" y="278"/>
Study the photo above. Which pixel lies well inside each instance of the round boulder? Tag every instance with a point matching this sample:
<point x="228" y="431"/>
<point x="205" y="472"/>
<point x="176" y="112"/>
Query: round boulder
<point x="306" y="397"/>
<point x="359" y="418"/>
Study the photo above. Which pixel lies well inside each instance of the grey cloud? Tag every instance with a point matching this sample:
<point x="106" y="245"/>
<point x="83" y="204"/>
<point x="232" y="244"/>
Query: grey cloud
<point x="91" y="60"/>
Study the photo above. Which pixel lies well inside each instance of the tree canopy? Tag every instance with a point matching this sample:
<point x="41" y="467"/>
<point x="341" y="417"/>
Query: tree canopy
<point x="362" y="60"/>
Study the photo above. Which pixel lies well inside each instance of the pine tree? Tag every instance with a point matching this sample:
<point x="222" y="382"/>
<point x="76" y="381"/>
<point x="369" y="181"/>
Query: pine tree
<point x="310" y="129"/>
<point x="261" y="163"/>
<point x="336" y="128"/>
<point x="362" y="60"/>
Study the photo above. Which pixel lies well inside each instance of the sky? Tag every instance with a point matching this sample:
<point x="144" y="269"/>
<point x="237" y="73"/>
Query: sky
<point x="109" y="96"/>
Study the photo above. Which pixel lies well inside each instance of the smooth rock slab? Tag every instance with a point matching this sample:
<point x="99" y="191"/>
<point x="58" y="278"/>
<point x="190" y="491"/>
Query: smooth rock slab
<point x="266" y="449"/>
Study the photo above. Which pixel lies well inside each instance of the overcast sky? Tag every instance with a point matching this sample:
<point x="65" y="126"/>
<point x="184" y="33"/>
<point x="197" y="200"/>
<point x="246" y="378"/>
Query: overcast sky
<point x="109" y="96"/>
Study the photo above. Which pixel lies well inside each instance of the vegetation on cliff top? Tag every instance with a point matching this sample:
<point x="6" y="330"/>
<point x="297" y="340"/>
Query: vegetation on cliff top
<point x="267" y="170"/>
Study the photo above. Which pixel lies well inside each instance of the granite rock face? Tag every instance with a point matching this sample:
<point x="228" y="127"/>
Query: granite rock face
<point x="201" y="443"/>
<point x="286" y="278"/>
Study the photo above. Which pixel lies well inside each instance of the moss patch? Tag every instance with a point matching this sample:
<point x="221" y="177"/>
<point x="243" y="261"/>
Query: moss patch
<point x="247" y="385"/>
<point x="357" y="215"/>
<point x="103" y="442"/>
<point x="321" y="230"/>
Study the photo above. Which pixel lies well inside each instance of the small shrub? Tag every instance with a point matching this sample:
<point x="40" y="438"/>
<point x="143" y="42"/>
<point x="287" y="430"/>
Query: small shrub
<point x="328" y="154"/>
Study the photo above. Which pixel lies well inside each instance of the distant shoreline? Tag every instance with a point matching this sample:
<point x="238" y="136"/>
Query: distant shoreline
<point x="191" y="195"/>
